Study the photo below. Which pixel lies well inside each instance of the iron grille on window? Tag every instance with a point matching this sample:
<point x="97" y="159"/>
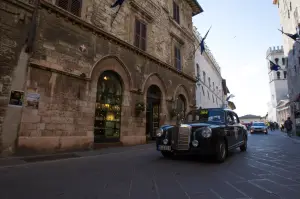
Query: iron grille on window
<point x="72" y="6"/>
<point x="140" y="34"/>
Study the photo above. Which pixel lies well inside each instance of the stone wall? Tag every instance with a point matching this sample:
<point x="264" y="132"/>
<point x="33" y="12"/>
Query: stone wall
<point x="162" y="30"/>
<point x="14" y="19"/>
<point x="64" y="70"/>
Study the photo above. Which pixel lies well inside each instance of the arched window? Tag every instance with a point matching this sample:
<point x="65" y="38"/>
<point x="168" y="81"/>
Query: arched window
<point x="180" y="106"/>
<point x="198" y="70"/>
<point x="284" y="74"/>
<point x="276" y="60"/>
<point x="278" y="74"/>
<point x="108" y="108"/>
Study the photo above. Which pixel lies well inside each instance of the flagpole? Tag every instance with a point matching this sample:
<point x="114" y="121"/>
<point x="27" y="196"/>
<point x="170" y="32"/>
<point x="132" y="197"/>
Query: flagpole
<point x="288" y="36"/>
<point x="115" y="15"/>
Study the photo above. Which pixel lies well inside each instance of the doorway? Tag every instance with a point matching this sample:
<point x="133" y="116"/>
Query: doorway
<point x="153" y="111"/>
<point x="108" y="108"/>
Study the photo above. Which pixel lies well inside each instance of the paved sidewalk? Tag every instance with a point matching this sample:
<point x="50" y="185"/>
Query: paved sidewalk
<point x="20" y="160"/>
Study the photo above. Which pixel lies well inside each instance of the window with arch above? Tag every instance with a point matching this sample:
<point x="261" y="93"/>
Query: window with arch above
<point x="72" y="6"/>
<point x="203" y="91"/>
<point x="204" y="77"/>
<point x="209" y="82"/>
<point x="284" y="74"/>
<point x="278" y="74"/>
<point x="283" y="61"/>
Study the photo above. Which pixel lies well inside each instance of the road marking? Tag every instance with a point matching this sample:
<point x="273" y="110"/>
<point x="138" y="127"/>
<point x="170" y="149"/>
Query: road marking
<point x="181" y="187"/>
<point x="216" y="194"/>
<point x="238" y="190"/>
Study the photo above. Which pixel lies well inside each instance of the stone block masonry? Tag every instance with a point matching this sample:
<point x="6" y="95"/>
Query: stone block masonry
<point x="70" y="55"/>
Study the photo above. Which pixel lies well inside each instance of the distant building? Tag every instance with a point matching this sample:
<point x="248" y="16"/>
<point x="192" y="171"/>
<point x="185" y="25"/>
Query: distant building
<point x="209" y="91"/>
<point x="277" y="81"/>
<point x="250" y="118"/>
<point x="283" y="110"/>
<point x="289" y="13"/>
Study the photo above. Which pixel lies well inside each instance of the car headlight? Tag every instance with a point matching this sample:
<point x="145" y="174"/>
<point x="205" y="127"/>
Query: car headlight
<point x="206" y="132"/>
<point x="159" y="132"/>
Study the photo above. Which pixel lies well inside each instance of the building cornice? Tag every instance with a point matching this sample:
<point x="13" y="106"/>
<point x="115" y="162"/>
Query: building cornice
<point x="197" y="9"/>
<point x="101" y="33"/>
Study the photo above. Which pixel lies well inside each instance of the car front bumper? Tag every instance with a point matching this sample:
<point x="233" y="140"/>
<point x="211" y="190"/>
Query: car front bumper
<point x="205" y="147"/>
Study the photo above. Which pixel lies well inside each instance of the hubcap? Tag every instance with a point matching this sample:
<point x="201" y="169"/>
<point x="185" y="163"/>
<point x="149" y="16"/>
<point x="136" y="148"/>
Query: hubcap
<point x="222" y="150"/>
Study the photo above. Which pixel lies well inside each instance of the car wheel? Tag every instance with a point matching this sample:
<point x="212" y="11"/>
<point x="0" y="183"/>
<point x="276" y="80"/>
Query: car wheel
<point x="244" y="146"/>
<point x="167" y="154"/>
<point x="221" y="151"/>
<point x="266" y="132"/>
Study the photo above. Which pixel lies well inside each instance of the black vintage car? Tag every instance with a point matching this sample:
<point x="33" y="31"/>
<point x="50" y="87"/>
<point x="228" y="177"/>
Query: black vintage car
<point x="211" y="131"/>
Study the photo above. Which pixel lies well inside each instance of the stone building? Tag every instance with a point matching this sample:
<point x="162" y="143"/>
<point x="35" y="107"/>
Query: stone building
<point x="209" y="92"/>
<point x="277" y="81"/>
<point x="94" y="76"/>
<point x="289" y="13"/>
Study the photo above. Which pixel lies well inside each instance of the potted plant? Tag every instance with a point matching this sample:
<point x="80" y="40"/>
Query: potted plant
<point x="173" y="113"/>
<point x="139" y="107"/>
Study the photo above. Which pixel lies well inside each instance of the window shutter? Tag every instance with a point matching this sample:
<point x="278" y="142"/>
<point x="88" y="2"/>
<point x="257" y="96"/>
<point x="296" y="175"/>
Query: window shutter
<point x="175" y="56"/>
<point x="179" y="59"/>
<point x="137" y="33"/>
<point x="178" y="15"/>
<point x="174" y="10"/>
<point x="143" y="36"/>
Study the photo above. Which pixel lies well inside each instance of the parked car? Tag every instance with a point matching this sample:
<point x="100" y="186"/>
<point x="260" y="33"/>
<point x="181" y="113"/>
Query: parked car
<point x="259" y="127"/>
<point x="212" y="131"/>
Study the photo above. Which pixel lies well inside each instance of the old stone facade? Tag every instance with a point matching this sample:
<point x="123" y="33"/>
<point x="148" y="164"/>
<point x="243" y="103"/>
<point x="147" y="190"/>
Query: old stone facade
<point x="87" y="79"/>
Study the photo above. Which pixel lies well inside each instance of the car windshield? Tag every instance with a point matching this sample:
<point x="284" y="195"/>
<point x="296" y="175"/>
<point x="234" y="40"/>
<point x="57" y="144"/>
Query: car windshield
<point x="258" y="124"/>
<point x="206" y="115"/>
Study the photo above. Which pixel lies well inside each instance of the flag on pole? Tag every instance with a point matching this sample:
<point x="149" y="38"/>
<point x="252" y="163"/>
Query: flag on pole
<point x="292" y="36"/>
<point x="273" y="66"/>
<point x="202" y="44"/>
<point x="117" y="3"/>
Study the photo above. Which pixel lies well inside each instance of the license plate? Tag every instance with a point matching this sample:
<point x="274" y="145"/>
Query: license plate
<point x="164" y="148"/>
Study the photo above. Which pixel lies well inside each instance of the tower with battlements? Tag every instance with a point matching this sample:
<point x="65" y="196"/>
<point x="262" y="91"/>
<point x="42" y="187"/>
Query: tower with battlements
<point x="277" y="80"/>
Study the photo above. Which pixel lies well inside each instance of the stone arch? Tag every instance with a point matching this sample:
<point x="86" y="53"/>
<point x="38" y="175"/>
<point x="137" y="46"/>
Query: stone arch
<point x="182" y="90"/>
<point x="155" y="79"/>
<point x="111" y="63"/>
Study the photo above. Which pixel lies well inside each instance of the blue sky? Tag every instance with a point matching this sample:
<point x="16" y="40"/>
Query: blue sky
<point x="242" y="59"/>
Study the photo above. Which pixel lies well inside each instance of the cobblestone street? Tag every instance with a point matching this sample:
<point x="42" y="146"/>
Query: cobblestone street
<point x="269" y="169"/>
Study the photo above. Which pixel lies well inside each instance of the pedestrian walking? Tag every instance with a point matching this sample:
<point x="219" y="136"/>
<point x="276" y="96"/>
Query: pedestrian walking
<point x="288" y="125"/>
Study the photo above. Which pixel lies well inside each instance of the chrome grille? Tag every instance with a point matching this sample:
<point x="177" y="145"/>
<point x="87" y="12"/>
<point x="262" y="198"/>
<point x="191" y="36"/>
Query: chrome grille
<point x="183" y="141"/>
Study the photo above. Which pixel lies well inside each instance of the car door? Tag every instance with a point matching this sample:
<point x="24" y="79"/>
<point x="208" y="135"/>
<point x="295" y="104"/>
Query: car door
<point x="238" y="128"/>
<point x="230" y="129"/>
